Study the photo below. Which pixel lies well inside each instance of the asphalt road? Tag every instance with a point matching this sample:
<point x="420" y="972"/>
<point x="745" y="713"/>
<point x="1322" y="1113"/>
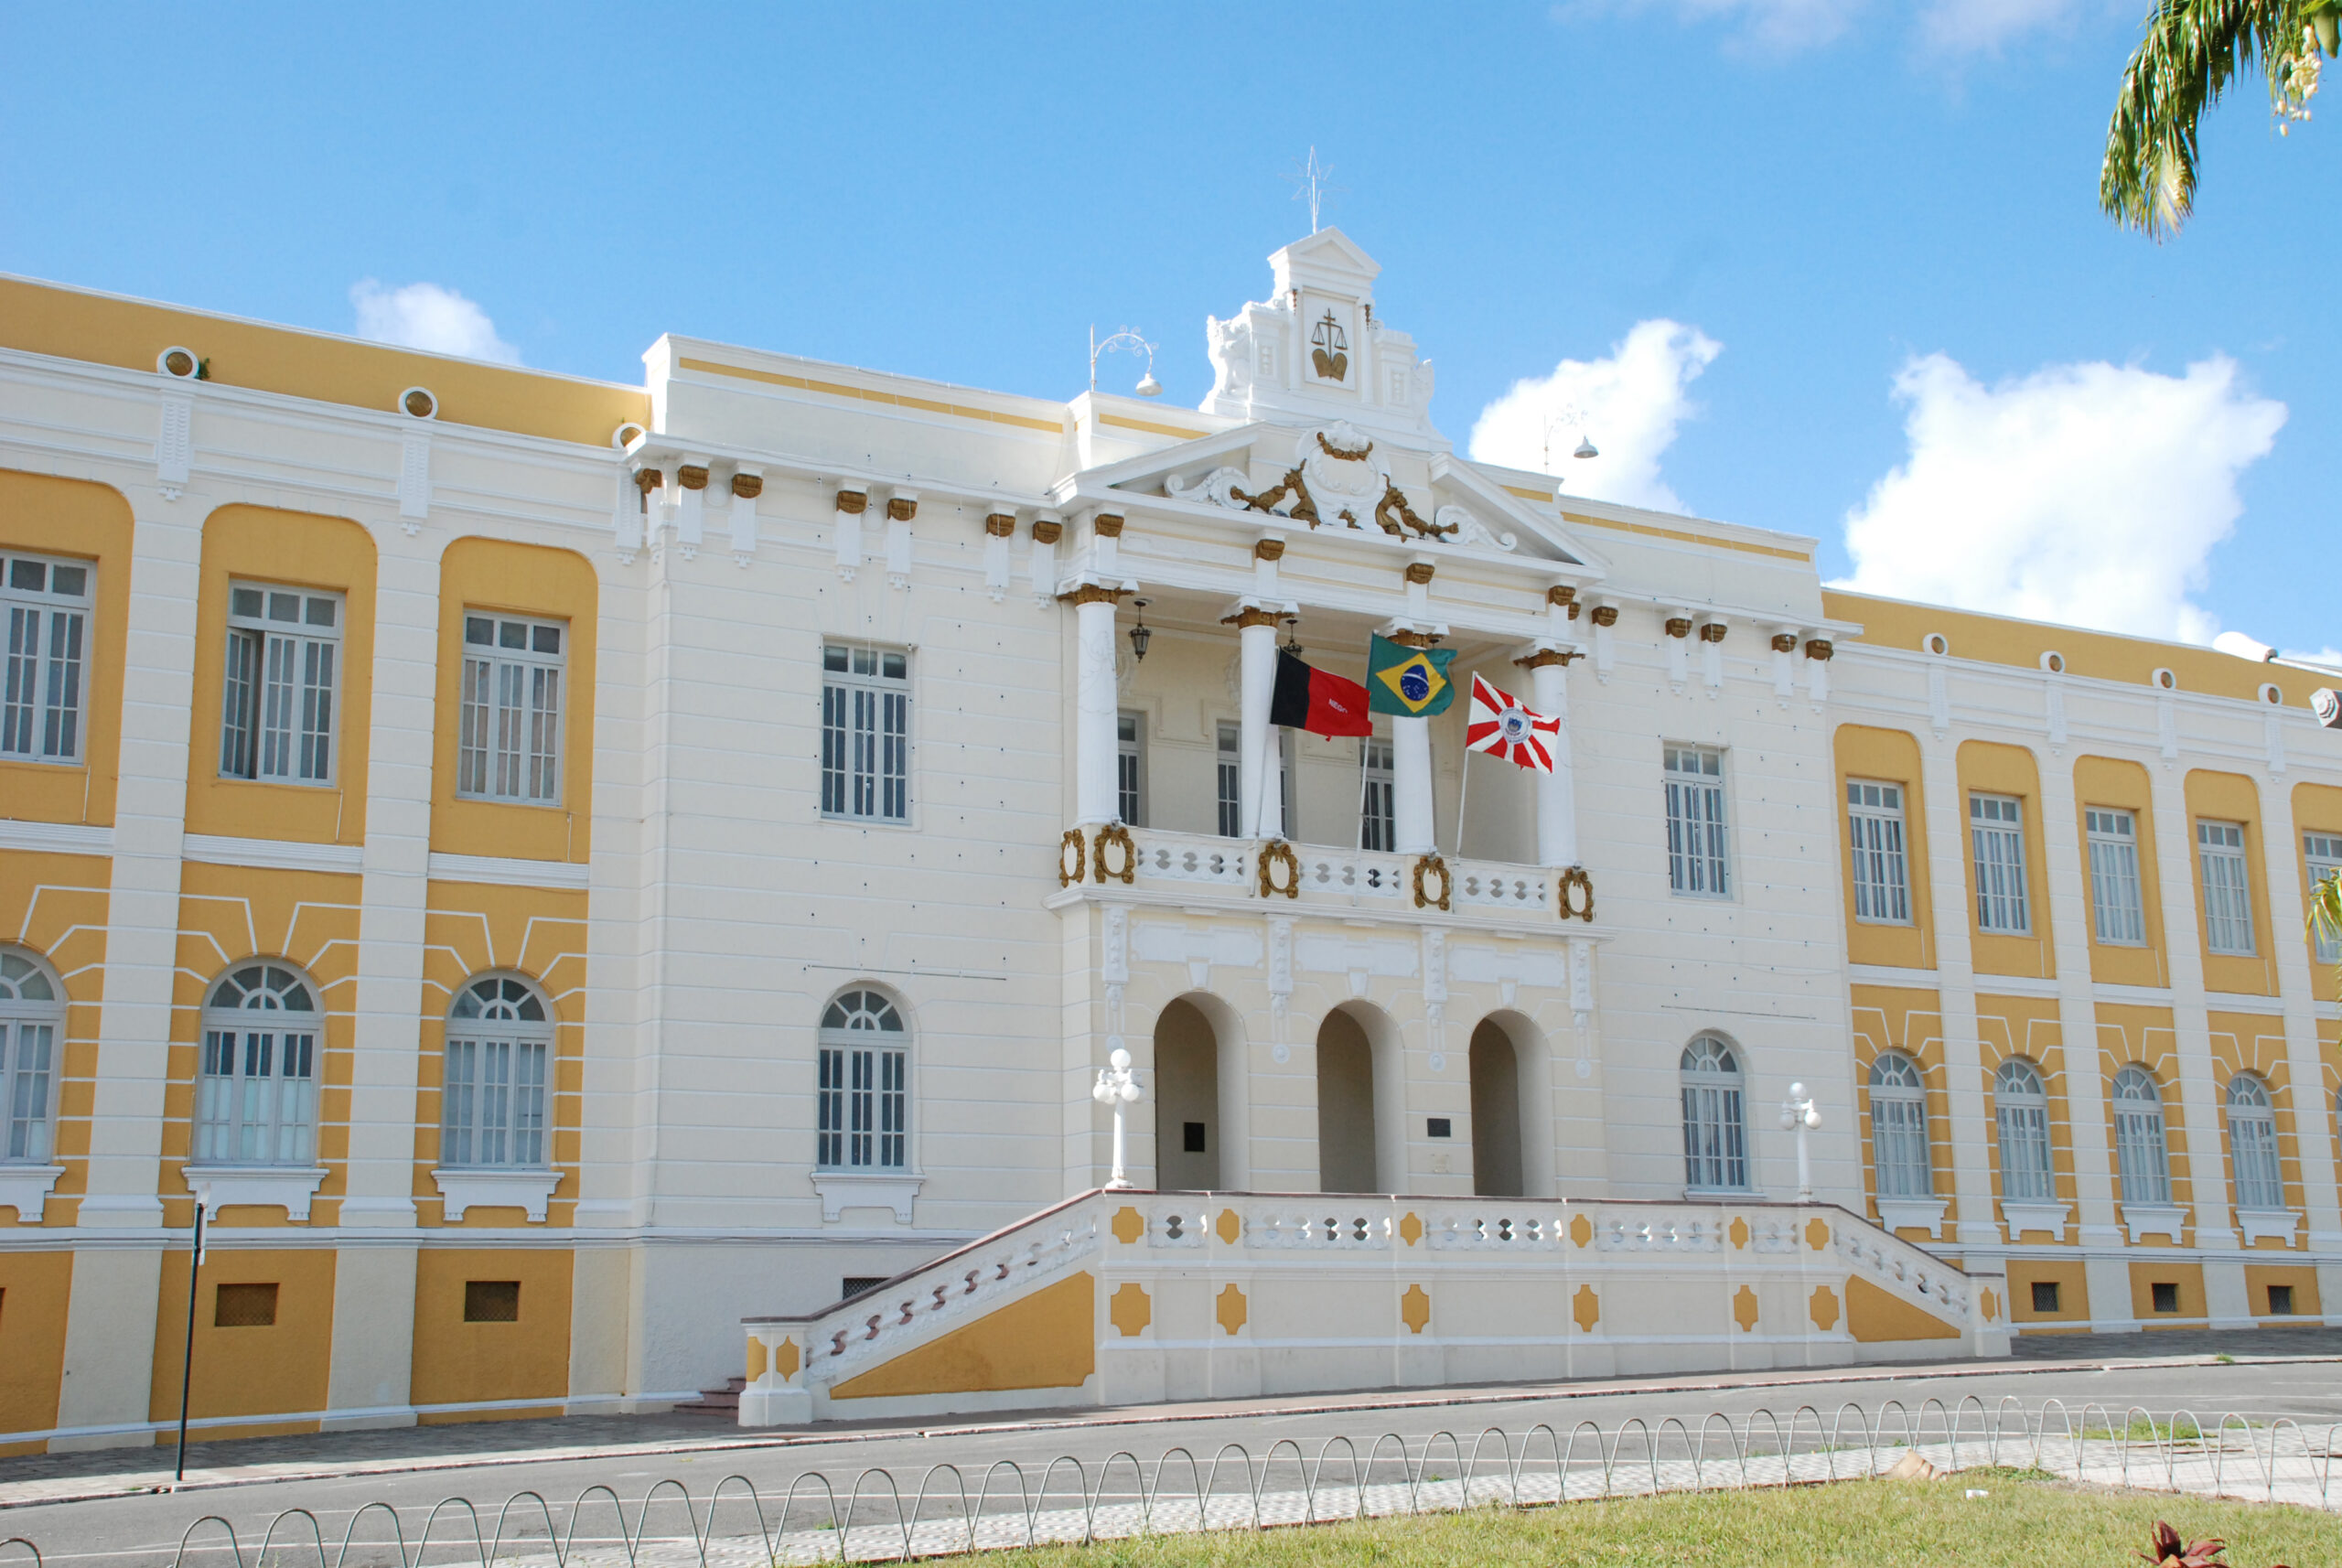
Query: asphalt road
<point x="131" y="1532"/>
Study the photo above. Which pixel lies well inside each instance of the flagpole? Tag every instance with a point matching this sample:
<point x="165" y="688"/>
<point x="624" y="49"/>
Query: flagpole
<point x="1462" y="793"/>
<point x="1365" y="743"/>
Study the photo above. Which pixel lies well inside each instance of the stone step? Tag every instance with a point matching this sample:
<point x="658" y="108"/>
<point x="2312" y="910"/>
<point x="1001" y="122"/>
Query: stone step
<point x="725" y="1400"/>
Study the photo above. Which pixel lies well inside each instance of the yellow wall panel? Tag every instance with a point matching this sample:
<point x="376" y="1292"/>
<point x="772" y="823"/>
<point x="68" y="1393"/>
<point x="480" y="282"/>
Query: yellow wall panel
<point x="280" y="1371"/>
<point x="2259" y="1277"/>
<point x="1891" y="1019"/>
<point x="1995" y="769"/>
<point x="1045" y="1340"/>
<point x="2146" y="1035"/>
<point x="2255" y="1043"/>
<point x="458" y="1362"/>
<point x="35" y="1288"/>
<point x="2188" y="1277"/>
<point x="92" y="522"/>
<point x="2106" y="781"/>
<point x="2072" y="1281"/>
<point x="1875" y="1316"/>
<point x="55" y="905"/>
<point x="1890" y="756"/>
<point x="2027" y="1027"/>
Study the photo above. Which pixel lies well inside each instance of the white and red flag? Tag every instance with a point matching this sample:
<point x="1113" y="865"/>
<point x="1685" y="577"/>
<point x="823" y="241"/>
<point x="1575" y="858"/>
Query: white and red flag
<point x="1503" y="726"/>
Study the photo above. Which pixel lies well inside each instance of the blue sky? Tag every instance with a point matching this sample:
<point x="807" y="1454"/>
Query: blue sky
<point x="1851" y="246"/>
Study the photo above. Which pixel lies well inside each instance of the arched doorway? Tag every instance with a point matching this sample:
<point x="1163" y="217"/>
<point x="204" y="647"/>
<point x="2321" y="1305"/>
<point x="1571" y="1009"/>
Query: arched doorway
<point x="1361" y="1137"/>
<point x="1188" y="1132"/>
<point x="1496" y="1113"/>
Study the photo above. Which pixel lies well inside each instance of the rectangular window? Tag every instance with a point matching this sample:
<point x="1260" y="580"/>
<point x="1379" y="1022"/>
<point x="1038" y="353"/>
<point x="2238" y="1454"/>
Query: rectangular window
<point x="1996" y="834"/>
<point x="1882" y="874"/>
<point x="2045" y="1295"/>
<point x="1380" y="830"/>
<point x="244" y="1306"/>
<point x="27" y="1063"/>
<point x="492" y="1301"/>
<point x="510" y="747"/>
<point x="1130" y="769"/>
<point x="1232" y="780"/>
<point x="2228" y="891"/>
<point x="256" y="1101"/>
<point x="864" y="1109"/>
<point x="865" y="733"/>
<point x="46" y="605"/>
<point x="2322" y="858"/>
<point x="492" y="1111"/>
<point x="277" y="705"/>
<point x="2114" y="877"/>
<point x="1698" y="861"/>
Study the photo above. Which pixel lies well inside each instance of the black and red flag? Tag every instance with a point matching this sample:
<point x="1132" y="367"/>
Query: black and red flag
<point x="1323" y="703"/>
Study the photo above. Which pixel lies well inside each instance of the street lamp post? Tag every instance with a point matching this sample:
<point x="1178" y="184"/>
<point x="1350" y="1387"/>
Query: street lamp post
<point x="1125" y="338"/>
<point x="1799" y="1111"/>
<point x="1117" y="1086"/>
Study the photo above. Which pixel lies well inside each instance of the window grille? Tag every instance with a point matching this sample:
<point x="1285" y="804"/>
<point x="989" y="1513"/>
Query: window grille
<point x="1380" y="830"/>
<point x="2115" y="903"/>
<point x="32" y="1017"/>
<point x="2253" y="1144"/>
<point x="1996" y="834"/>
<point x="510" y="744"/>
<point x="1882" y="874"/>
<point x="865" y="733"/>
<point x="46" y="604"/>
<point x="865" y="1099"/>
<point x="256" y="1094"/>
<point x="2227" y="889"/>
<point x="2139" y="1147"/>
<point x="277" y="699"/>
<point x="1230" y="760"/>
<point x="1698" y="857"/>
<point x="2322" y="859"/>
<point x="2021" y="1112"/>
<point x="1715" y="1137"/>
<point x="1898" y="1128"/>
<point x="1130" y="769"/>
<point x="492" y="1101"/>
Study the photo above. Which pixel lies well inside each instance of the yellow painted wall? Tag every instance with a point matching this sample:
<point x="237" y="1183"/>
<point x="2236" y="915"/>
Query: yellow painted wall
<point x="1995" y="769"/>
<point x="280" y="1371"/>
<point x="530" y="580"/>
<point x="55" y="905"/>
<point x="1890" y="756"/>
<point x="458" y="1362"/>
<point x="2073" y="1294"/>
<point x="2318" y="809"/>
<point x="2146" y="1035"/>
<point x="2106" y="781"/>
<point x="229" y="914"/>
<point x="1876" y="1316"/>
<point x="2027" y="1027"/>
<point x="470" y="929"/>
<point x="1045" y="1340"/>
<point x="91" y="523"/>
<point x="2231" y="798"/>
<point x="299" y="550"/>
<point x="1999" y="639"/>
<point x="1889" y="1018"/>
<point x="72" y="324"/>
<point x="35" y="1288"/>
<point x="2255" y="1043"/>
<point x="2188" y="1277"/>
<point x="2259" y="1277"/>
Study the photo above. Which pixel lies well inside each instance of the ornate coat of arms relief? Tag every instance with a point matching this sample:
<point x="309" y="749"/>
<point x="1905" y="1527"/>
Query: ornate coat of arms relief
<point x="1336" y="481"/>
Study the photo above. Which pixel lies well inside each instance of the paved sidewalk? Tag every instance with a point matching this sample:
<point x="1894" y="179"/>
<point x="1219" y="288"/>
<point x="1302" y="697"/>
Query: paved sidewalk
<point x="126" y="1472"/>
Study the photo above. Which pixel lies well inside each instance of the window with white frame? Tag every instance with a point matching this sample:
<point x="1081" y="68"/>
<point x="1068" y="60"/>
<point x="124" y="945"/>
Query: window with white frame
<point x="1882" y="871"/>
<point x="276" y="714"/>
<point x="1288" y="772"/>
<point x="2021" y="1114"/>
<point x="2139" y="1149"/>
<point x="1716" y="1132"/>
<point x="1899" y="1127"/>
<point x="46" y="603"/>
<point x="32" y="1023"/>
<point x="1698" y="851"/>
<point x="256" y="1095"/>
<point x="865" y="733"/>
<point x="492" y="1099"/>
<point x="1230" y="771"/>
<point x="864" y="1098"/>
<point x="2227" y="890"/>
<point x="2253" y="1144"/>
<point x="1378" y="797"/>
<point x="1130" y="769"/>
<point x="509" y="748"/>
<point x="2322" y="860"/>
<point x="2114" y="900"/>
<point x="1996" y="838"/>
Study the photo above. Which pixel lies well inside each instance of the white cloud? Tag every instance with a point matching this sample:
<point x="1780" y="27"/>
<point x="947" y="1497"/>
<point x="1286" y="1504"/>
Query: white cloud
<point x="1630" y="405"/>
<point x="425" y="316"/>
<point x="1981" y="27"/>
<point x="2088" y="494"/>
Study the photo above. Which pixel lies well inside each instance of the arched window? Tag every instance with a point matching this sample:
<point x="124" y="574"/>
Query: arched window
<point x="32" y="1018"/>
<point x="2139" y="1145"/>
<point x="1715" y="1137"/>
<point x="256" y="1099"/>
<point x="864" y="1096"/>
<point x="2253" y="1144"/>
<point x="2021" y="1108"/>
<point x="1899" y="1127"/>
<point x="499" y="1045"/>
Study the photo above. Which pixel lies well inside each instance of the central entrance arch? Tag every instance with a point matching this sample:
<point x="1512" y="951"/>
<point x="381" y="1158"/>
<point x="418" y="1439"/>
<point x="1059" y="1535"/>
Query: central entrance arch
<point x="1200" y="1098"/>
<point x="1361" y="1129"/>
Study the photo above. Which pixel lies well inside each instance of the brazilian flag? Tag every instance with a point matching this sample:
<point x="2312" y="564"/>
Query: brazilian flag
<point x="1409" y="680"/>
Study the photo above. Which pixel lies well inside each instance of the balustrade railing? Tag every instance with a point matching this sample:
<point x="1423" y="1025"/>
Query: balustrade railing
<point x="1320" y="873"/>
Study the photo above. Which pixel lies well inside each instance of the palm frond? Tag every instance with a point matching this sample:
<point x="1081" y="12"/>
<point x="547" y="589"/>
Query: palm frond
<point x="2192" y="49"/>
<point x="2326" y="914"/>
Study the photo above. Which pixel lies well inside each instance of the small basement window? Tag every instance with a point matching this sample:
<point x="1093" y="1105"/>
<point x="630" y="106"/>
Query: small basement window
<point x="860" y="1284"/>
<point x="2166" y="1295"/>
<point x="2045" y="1295"/>
<point x="1192" y="1137"/>
<point x="2281" y="1301"/>
<point x="244" y="1306"/>
<point x="492" y="1301"/>
<point x="1440" y="1127"/>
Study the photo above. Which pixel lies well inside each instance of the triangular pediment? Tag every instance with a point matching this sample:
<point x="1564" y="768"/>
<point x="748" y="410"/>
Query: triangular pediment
<point x="1328" y="260"/>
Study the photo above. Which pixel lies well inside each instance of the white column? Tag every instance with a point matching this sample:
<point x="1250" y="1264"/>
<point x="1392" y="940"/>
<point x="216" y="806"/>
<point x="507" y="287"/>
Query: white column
<point x="1972" y="1173"/>
<point x="2312" y="1136"/>
<point x="1411" y="798"/>
<point x="1263" y="804"/>
<point x="1093" y="724"/>
<point x="1548" y="669"/>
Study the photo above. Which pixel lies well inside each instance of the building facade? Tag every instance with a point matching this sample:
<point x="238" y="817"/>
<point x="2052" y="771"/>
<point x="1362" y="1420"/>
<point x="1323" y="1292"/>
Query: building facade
<point x="559" y="867"/>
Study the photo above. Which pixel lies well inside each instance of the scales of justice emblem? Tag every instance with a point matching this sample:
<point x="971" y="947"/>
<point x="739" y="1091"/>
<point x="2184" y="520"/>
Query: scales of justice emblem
<point x="1329" y="349"/>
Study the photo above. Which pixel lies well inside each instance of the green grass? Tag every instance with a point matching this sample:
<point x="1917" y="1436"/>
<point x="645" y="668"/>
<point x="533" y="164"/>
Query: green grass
<point x="2181" y="1430"/>
<point x="2029" y="1520"/>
